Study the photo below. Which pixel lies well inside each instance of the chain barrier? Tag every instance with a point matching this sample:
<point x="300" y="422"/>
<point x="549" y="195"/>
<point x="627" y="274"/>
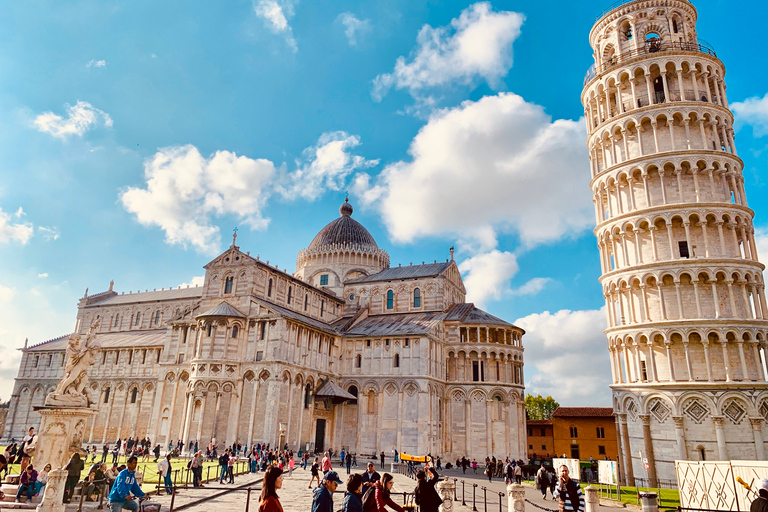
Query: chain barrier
<point x="540" y="507"/>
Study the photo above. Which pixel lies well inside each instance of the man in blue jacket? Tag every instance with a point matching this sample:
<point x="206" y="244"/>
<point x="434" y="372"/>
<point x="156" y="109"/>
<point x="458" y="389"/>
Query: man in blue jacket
<point x="322" y="497"/>
<point x="126" y="488"/>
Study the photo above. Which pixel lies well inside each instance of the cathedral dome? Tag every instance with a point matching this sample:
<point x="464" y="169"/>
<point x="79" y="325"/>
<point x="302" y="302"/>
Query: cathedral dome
<point x="343" y="232"/>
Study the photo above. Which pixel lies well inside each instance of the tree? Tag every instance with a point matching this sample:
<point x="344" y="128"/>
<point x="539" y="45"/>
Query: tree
<point x="540" y="408"/>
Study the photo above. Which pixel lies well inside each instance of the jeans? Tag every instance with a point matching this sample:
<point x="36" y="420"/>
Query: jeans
<point x="230" y="474"/>
<point x="38" y="487"/>
<point x="168" y="483"/>
<point x="117" y="506"/>
<point x="28" y="489"/>
<point x="223" y="473"/>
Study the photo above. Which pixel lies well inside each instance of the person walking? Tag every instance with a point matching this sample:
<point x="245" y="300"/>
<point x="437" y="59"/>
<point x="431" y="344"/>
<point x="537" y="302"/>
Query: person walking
<point x="426" y="496"/>
<point x="489" y="467"/>
<point x="315" y="473"/>
<point x="273" y="480"/>
<point x="322" y="497"/>
<point x="349" y="463"/>
<point x="291" y="463"/>
<point x="569" y="492"/>
<point x="542" y="481"/>
<point x="164" y="470"/>
<point x="383" y="489"/>
<point x="326" y="465"/>
<point x="353" y="497"/>
<point x="126" y="488"/>
<point x="474" y="466"/>
<point x="74" y="467"/>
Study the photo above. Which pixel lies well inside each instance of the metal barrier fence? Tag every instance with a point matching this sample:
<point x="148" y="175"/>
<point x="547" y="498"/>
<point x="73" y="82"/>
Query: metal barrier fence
<point x="410" y="471"/>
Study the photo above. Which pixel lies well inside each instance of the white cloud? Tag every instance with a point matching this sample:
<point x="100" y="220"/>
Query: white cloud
<point x="495" y="165"/>
<point x="184" y="190"/>
<point x="353" y="27"/>
<point x="96" y="63"/>
<point x="476" y="44"/>
<point x="570" y="354"/>
<point x="6" y="293"/>
<point x="276" y="15"/>
<point x="43" y="275"/>
<point x="325" y="166"/>
<point x="532" y="287"/>
<point x="80" y="118"/>
<point x="752" y="111"/>
<point x="11" y="231"/>
<point x="195" y="281"/>
<point x="51" y="233"/>
<point x="487" y="276"/>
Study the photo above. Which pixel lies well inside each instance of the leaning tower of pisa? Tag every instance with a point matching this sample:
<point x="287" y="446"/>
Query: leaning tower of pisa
<point x="684" y="290"/>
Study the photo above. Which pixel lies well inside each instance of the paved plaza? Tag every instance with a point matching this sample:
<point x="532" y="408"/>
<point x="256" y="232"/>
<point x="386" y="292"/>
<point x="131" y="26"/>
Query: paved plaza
<point x="296" y="495"/>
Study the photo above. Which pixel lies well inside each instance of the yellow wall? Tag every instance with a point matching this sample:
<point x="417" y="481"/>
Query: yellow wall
<point x="536" y="441"/>
<point x="586" y="430"/>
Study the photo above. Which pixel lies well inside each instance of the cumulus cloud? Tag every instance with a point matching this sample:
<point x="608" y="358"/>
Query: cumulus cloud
<point x="569" y="351"/>
<point x="477" y="44"/>
<point x="276" y="15"/>
<point x="496" y="165"/>
<point x="96" y="63"/>
<point x="761" y="243"/>
<point x="486" y="276"/>
<point x="353" y="27"/>
<point x="325" y="166"/>
<point x="185" y="191"/>
<point x="12" y="229"/>
<point x="80" y="118"/>
<point x="43" y="275"/>
<point x="752" y="111"/>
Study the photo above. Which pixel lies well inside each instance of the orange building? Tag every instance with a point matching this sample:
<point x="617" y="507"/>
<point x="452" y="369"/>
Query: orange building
<point x="584" y="432"/>
<point x="540" y="439"/>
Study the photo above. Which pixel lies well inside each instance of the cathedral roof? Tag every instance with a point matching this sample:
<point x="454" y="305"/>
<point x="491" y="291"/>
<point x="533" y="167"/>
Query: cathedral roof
<point x="344" y="231"/>
<point x="467" y="313"/>
<point x="298" y="317"/>
<point x="331" y="390"/>
<point x="223" y="309"/>
<point x="399" y="324"/>
<point x="155" y="295"/>
<point x="583" y="412"/>
<point x="59" y="343"/>
<point x="411" y="271"/>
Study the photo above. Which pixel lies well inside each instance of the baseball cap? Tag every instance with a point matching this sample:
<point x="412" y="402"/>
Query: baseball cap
<point x="764" y="484"/>
<point x="332" y="476"/>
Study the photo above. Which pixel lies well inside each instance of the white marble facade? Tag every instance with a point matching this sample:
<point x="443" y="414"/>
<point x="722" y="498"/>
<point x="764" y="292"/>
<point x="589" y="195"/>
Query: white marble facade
<point x="684" y="289"/>
<point x="245" y="357"/>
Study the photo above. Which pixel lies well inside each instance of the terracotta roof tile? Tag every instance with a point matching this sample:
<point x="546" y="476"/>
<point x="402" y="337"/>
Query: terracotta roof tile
<point x="583" y="412"/>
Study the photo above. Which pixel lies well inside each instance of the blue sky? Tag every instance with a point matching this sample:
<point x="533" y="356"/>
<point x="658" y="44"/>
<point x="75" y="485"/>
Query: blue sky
<point x="136" y="135"/>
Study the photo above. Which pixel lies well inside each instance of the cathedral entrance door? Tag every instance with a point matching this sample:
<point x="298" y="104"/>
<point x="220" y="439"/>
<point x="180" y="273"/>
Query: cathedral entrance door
<point x="320" y="436"/>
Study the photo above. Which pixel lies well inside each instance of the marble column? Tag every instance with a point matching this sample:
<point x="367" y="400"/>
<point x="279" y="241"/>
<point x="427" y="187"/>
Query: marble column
<point x="757" y="432"/>
<point x="648" y="443"/>
<point x="722" y="451"/>
<point x="682" y="450"/>
<point x="630" y="471"/>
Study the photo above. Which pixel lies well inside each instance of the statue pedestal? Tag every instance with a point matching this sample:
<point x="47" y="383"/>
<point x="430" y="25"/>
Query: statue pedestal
<point x="60" y="435"/>
<point x="446" y="489"/>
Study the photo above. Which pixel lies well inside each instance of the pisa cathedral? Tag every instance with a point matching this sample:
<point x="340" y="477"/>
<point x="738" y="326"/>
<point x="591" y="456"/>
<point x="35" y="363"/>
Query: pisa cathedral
<point x="685" y="295"/>
<point x="345" y="352"/>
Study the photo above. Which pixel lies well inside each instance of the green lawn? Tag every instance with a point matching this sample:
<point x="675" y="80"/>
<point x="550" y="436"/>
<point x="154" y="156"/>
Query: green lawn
<point x="149" y="469"/>
<point x="667" y="498"/>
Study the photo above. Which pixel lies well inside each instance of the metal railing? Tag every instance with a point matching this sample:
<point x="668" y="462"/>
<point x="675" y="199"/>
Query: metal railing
<point x="650" y="47"/>
<point x="409" y="471"/>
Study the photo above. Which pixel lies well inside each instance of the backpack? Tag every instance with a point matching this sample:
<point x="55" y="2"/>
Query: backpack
<point x="189" y="464"/>
<point x="223" y="460"/>
<point x="369" y="500"/>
